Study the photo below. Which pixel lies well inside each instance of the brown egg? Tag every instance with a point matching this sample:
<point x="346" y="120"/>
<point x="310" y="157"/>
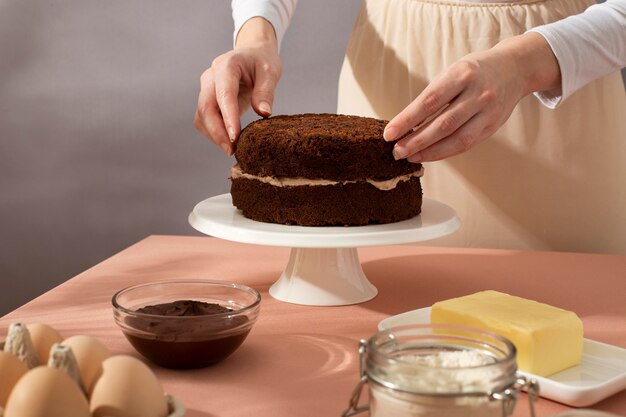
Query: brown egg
<point x="43" y="337"/>
<point x="11" y="370"/>
<point x="89" y="353"/>
<point x="127" y="388"/>
<point x="46" y="392"/>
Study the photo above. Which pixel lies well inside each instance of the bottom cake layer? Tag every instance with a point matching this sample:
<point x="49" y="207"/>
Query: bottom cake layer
<point x="349" y="204"/>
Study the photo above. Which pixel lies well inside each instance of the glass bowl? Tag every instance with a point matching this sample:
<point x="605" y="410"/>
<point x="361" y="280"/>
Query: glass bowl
<point x="186" y="324"/>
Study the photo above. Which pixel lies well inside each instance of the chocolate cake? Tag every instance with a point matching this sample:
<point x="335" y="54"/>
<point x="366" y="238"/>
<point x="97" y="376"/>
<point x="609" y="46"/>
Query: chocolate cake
<point x="322" y="170"/>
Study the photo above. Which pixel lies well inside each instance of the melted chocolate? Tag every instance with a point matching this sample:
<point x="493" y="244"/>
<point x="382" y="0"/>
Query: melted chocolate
<point x="190" y="342"/>
<point x="184" y="308"/>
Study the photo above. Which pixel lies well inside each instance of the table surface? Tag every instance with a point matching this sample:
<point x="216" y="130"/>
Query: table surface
<point x="303" y="360"/>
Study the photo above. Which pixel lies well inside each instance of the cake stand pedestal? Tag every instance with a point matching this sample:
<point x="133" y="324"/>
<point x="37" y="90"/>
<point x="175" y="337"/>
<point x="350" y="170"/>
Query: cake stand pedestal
<point x="324" y="267"/>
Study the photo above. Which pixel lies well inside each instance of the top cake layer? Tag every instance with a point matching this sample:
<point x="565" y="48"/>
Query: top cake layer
<point x="327" y="146"/>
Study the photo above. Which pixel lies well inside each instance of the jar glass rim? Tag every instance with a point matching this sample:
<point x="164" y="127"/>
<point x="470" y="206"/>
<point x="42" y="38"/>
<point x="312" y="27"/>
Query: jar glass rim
<point x="392" y="360"/>
<point x="444" y="331"/>
<point x="244" y="289"/>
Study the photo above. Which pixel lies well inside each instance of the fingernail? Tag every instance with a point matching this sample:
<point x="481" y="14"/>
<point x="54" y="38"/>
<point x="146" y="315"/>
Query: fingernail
<point x="390" y="134"/>
<point x="265" y="107"/>
<point x="231" y="134"/>
<point x="226" y="148"/>
<point x="399" y="153"/>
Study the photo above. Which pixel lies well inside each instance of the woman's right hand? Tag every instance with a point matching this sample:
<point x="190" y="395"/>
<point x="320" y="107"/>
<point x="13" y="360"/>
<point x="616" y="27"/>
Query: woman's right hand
<point x="245" y="76"/>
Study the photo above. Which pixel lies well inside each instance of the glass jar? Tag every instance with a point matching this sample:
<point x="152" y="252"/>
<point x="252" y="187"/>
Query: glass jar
<point x="439" y="371"/>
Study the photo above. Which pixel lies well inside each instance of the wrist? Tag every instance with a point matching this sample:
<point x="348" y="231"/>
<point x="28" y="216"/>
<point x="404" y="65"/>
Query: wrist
<point x="534" y="61"/>
<point x="256" y="32"/>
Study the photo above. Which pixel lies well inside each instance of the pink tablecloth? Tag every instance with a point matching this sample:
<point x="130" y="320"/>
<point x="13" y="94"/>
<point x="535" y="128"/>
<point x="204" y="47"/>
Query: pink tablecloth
<point x="302" y="360"/>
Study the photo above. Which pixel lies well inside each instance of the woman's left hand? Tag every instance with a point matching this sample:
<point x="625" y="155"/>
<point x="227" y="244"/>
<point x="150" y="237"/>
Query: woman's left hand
<point x="469" y="101"/>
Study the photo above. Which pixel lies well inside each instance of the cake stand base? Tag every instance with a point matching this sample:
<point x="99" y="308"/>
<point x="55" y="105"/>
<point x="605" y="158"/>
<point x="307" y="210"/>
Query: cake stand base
<point x="324" y="267"/>
<point x="323" y="277"/>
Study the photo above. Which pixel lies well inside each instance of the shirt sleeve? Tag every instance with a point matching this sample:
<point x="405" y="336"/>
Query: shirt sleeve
<point x="277" y="12"/>
<point x="587" y="46"/>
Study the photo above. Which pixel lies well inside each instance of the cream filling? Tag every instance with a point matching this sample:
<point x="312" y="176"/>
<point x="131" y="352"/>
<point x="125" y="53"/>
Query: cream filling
<point x="385" y="185"/>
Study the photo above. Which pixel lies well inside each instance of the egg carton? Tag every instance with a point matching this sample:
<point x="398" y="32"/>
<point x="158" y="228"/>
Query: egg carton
<point x="175" y="407"/>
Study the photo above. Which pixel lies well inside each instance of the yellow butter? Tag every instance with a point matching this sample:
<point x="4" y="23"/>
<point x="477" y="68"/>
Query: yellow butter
<point x="548" y="339"/>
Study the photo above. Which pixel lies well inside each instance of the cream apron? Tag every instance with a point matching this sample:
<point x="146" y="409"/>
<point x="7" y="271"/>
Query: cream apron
<point x="548" y="179"/>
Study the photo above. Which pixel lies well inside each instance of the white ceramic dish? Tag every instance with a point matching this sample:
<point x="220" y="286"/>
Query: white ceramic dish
<point x="216" y="216"/>
<point x="601" y="373"/>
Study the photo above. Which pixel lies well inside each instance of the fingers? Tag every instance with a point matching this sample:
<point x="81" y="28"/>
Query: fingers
<point x="227" y="77"/>
<point x="446" y="123"/>
<point x="208" y="118"/>
<point x="428" y="103"/>
<point x="235" y="80"/>
<point x="477" y="129"/>
<point x="267" y="78"/>
<point x="464" y="106"/>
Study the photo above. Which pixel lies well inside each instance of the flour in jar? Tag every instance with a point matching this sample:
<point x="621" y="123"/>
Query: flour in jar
<point x="442" y="381"/>
<point x="451" y="359"/>
<point x="449" y="371"/>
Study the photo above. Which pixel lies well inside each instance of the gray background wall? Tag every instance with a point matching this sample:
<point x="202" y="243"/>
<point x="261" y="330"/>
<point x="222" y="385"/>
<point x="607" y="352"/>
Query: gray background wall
<point x="97" y="144"/>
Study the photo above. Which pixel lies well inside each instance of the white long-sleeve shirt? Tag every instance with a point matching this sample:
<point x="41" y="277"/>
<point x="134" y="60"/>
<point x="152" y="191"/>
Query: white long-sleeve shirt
<point x="277" y="12"/>
<point x="587" y="46"/>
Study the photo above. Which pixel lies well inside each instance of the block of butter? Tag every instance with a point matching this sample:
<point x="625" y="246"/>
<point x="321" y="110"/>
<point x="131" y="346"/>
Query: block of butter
<point x="548" y="339"/>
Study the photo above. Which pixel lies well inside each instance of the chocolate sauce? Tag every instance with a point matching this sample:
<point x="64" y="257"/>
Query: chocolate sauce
<point x="192" y="342"/>
<point x="184" y="308"/>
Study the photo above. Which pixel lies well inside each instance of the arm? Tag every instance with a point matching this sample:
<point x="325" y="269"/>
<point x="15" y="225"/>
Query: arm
<point x="277" y="12"/>
<point x="469" y="101"/>
<point x="588" y="46"/>
<point x="243" y="77"/>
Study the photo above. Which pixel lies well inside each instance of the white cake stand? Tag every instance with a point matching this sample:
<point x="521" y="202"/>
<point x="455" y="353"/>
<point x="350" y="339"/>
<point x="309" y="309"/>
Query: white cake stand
<point x="323" y="267"/>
